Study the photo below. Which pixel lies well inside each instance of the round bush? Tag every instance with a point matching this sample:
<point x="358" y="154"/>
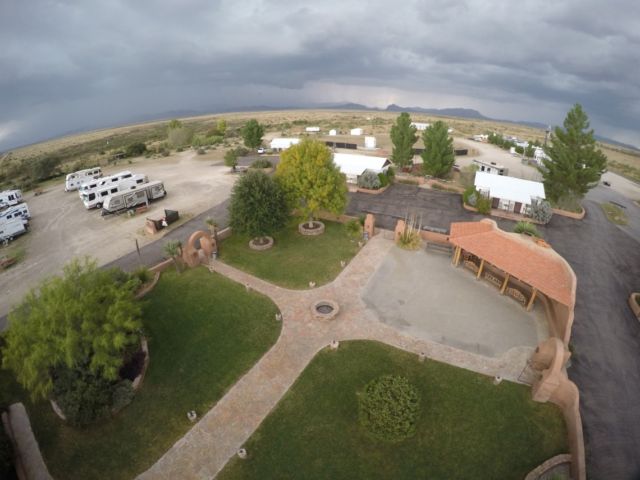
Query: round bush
<point x="369" y="180"/>
<point x="389" y="407"/>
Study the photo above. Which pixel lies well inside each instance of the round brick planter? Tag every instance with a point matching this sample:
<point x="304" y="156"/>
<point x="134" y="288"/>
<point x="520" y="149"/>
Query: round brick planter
<point x="254" y="245"/>
<point x="318" y="228"/>
<point x="325" y="309"/>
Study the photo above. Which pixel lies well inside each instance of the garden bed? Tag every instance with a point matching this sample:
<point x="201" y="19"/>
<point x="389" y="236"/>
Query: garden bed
<point x="295" y="260"/>
<point x="204" y="332"/>
<point x="466" y="428"/>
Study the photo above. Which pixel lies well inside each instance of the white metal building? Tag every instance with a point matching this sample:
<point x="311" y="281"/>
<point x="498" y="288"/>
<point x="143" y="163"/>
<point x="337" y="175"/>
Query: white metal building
<point x="509" y="193"/>
<point x="279" y="144"/>
<point x="370" y="142"/>
<point x="312" y="129"/>
<point x="333" y="132"/>
<point x="357" y="131"/>
<point x="353" y="165"/>
<point x="490" y="167"/>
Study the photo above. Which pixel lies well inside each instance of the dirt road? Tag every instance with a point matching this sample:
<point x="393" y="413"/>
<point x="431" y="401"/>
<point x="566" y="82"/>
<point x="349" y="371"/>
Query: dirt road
<point x="61" y="228"/>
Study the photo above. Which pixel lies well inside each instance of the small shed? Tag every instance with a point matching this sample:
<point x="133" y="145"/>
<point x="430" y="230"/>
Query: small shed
<point x="490" y="167"/>
<point x="333" y="132"/>
<point x="279" y="144"/>
<point x="357" y="131"/>
<point x="509" y="193"/>
<point x="370" y="142"/>
<point x="353" y="165"/>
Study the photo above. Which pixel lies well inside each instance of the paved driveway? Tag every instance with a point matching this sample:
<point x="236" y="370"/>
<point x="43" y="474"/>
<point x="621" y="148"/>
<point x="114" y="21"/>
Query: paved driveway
<point x="437" y="209"/>
<point x="606" y="337"/>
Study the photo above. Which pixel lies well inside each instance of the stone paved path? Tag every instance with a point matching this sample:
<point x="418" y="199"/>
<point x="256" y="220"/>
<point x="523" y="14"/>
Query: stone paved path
<point x="207" y="447"/>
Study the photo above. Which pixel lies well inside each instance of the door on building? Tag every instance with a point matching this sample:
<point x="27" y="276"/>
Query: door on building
<point x="518" y="207"/>
<point x="495" y="202"/>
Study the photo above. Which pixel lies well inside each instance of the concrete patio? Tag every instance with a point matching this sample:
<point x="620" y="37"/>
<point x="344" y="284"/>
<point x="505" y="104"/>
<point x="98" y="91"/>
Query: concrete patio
<point x="422" y="295"/>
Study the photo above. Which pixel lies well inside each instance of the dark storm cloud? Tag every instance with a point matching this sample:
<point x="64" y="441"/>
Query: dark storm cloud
<point x="72" y="65"/>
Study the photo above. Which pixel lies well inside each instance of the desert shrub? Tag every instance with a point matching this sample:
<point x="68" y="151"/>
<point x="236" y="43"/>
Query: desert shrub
<point x="369" y="180"/>
<point x="389" y="407"/>
<point x="409" y="240"/>
<point x="353" y="228"/>
<point x="527" y="228"/>
<point x="261" y="163"/>
<point x="135" y="149"/>
<point x="541" y="211"/>
<point x="201" y="151"/>
<point x="122" y="395"/>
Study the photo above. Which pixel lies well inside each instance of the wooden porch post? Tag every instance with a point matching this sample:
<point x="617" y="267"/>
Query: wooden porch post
<point x="456" y="256"/>
<point x="480" y="269"/>
<point x="533" y="297"/>
<point x="504" y="284"/>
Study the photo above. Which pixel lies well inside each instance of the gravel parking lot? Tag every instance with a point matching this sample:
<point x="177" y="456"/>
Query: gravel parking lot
<point x="62" y="229"/>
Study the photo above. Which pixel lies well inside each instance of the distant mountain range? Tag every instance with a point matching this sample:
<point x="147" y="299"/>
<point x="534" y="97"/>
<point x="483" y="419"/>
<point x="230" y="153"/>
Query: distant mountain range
<point x="446" y="112"/>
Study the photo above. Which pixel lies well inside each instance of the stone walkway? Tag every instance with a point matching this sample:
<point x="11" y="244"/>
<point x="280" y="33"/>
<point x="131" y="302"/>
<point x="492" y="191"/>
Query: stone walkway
<point x="207" y="447"/>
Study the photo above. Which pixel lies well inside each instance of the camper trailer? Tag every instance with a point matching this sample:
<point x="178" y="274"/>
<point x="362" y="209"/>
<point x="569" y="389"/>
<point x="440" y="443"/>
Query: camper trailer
<point x="10" y="229"/>
<point x="75" y="179"/>
<point x="137" y="195"/>
<point x="95" y="198"/>
<point x="110" y="180"/>
<point x="9" y="198"/>
<point x="17" y="211"/>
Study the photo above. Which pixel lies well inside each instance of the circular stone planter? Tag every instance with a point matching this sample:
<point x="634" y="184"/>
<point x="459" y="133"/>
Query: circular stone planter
<point x="325" y="309"/>
<point x="316" y="229"/>
<point x="255" y="245"/>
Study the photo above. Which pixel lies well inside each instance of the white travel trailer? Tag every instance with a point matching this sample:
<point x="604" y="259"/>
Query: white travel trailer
<point x="10" y="229"/>
<point x="96" y="197"/>
<point x="278" y="144"/>
<point x="420" y="126"/>
<point x="75" y="179"/>
<point x="17" y="211"/>
<point x="9" y="198"/>
<point x="312" y="129"/>
<point x="110" y="180"/>
<point x="137" y="195"/>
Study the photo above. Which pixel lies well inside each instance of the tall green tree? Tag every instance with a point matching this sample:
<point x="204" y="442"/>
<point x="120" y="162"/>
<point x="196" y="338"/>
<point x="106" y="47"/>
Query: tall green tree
<point x="438" y="157"/>
<point x="575" y="164"/>
<point x="311" y="179"/>
<point x="403" y="137"/>
<point x="231" y="159"/>
<point x="258" y="205"/>
<point x="84" y="319"/>
<point x="252" y="133"/>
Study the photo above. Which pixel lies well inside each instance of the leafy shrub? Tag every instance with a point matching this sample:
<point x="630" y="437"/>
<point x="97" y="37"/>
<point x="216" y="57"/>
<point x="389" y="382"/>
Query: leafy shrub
<point x="384" y="180"/>
<point x="142" y="274"/>
<point x="353" y="228"/>
<point x="123" y="394"/>
<point x="389" y="408"/>
<point x="483" y="204"/>
<point x="541" y="211"/>
<point x="391" y="174"/>
<point x="467" y="194"/>
<point x="83" y="397"/>
<point x="6" y="455"/>
<point x="261" y="163"/>
<point x="135" y="149"/>
<point x="527" y="228"/>
<point x="369" y="180"/>
<point x="473" y="199"/>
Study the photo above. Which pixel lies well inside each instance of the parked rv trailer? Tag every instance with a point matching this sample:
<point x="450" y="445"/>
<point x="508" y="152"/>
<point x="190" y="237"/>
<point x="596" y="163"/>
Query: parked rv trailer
<point x="17" y="211"/>
<point x="95" y="198"/>
<point x="110" y="180"/>
<point x="136" y="196"/>
<point x="10" y="229"/>
<point x="75" y="179"/>
<point x="9" y="198"/>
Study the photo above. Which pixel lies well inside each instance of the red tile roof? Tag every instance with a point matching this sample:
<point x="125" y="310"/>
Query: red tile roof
<point x="533" y="262"/>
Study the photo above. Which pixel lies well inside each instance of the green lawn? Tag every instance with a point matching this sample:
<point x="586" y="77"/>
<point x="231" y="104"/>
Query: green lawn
<point x="615" y="214"/>
<point x="204" y="332"/>
<point x="295" y="259"/>
<point x="468" y="429"/>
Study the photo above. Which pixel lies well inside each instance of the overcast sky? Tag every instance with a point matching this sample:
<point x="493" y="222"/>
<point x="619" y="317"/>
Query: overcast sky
<point x="70" y="65"/>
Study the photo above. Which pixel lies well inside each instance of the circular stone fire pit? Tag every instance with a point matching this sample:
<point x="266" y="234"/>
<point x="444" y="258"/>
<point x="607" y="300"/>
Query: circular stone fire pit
<point x="316" y="229"/>
<point x="325" y="309"/>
